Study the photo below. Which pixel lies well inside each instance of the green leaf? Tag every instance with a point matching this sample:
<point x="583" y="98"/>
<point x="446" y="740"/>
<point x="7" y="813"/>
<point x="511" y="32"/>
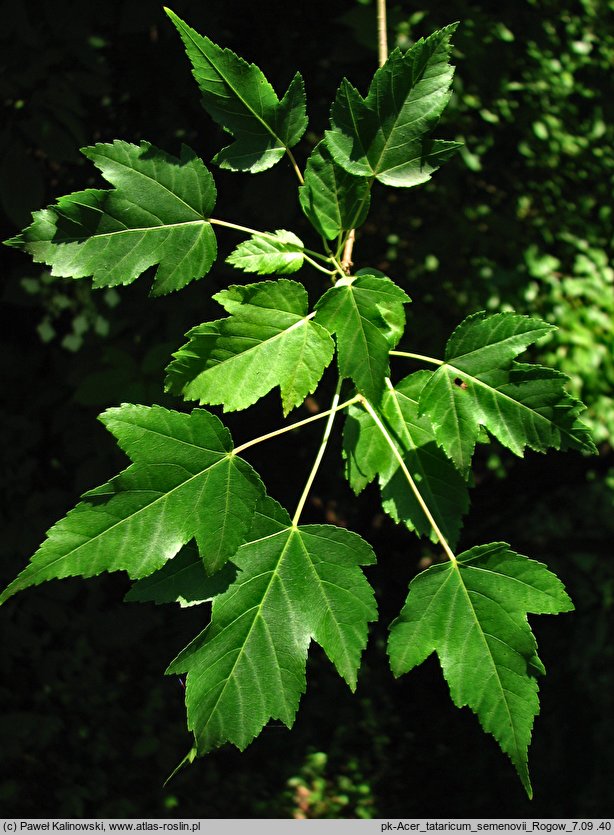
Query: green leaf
<point x="240" y="99"/>
<point x="480" y="385"/>
<point x="278" y="252"/>
<point x="363" y="313"/>
<point x="367" y="454"/>
<point x="386" y="134"/>
<point x="182" y="580"/>
<point x="158" y="213"/>
<point x="185" y="483"/>
<point x="392" y="312"/>
<point x="332" y="199"/>
<point x="269" y="340"/>
<point x="473" y="615"/>
<point x="294" y="585"/>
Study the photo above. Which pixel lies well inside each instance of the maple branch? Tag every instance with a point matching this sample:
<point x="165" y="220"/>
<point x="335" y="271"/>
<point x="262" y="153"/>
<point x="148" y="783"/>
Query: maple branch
<point x="382" y="46"/>
<point x="346" y="258"/>
<point x="382" y="39"/>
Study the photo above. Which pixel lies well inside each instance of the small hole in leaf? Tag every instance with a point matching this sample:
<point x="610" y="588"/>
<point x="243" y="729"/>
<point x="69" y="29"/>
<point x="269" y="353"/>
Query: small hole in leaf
<point x="460" y="383"/>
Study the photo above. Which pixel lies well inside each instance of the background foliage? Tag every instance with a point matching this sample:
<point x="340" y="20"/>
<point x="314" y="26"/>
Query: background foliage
<point x="522" y="220"/>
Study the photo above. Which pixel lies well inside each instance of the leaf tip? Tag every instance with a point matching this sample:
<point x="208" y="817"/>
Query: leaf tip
<point x="17" y="585"/>
<point x="16" y="242"/>
<point x="523" y="773"/>
<point x="187" y="760"/>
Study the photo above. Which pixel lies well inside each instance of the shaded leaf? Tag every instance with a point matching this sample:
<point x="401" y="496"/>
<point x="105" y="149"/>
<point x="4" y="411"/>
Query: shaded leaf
<point x="269" y="340"/>
<point x="184" y="483"/>
<point x="480" y="385"/>
<point x="387" y="134"/>
<point x="278" y="252"/>
<point x="473" y="615"/>
<point x="182" y="580"/>
<point x="158" y="213"/>
<point x="332" y="199"/>
<point x="295" y="585"/>
<point x="240" y="99"/>
<point x="368" y="455"/>
<point x="363" y="313"/>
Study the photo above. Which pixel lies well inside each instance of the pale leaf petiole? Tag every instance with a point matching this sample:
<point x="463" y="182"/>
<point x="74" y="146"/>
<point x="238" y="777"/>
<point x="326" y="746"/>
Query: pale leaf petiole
<point x="306" y="252"/>
<point x="393" y="447"/>
<point x="317" y="266"/>
<point x="297" y="170"/>
<point x="336" y="408"/>
<point x="411" y="356"/>
<point x="318" y="460"/>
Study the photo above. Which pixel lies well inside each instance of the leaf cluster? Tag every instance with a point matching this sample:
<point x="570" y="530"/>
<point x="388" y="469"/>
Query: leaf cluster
<point x="190" y="520"/>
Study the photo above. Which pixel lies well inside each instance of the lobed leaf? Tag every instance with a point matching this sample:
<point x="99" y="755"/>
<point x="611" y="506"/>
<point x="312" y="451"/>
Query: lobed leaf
<point x="332" y="199"/>
<point x="269" y="340"/>
<point x="364" y="313"/>
<point x="472" y="613"/>
<point x="240" y="99"/>
<point x="480" y="385"/>
<point x="158" y="213"/>
<point x="368" y="455"/>
<point x="295" y="584"/>
<point x="185" y="483"/>
<point x="386" y="135"/>
<point x="280" y="252"/>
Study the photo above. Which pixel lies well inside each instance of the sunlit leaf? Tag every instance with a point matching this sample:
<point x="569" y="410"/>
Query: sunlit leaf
<point x="473" y="614"/>
<point x="358" y="311"/>
<point x="295" y="585"/>
<point x="480" y="385"/>
<point x="280" y="252"/>
<point x="184" y="483"/>
<point x="387" y="134"/>
<point x="158" y="213"/>
<point x="238" y="96"/>
<point x="269" y="340"/>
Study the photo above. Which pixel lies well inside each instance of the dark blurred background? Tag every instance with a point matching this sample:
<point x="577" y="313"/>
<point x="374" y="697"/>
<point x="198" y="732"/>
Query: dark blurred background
<point x="521" y="219"/>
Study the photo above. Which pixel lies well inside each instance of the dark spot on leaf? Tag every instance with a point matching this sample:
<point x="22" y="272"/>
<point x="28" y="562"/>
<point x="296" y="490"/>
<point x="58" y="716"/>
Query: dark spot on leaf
<point x="460" y="383"/>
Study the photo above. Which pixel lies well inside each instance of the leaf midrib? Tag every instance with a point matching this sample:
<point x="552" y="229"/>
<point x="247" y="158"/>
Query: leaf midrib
<point x="508" y="578"/>
<point x="377" y="170"/>
<point x="504" y="396"/>
<point x="294" y="326"/>
<point x="173" y="438"/>
<point x="100" y="235"/>
<point x="534" y="335"/>
<point x="257" y="615"/>
<point x="456" y="568"/>
<point x="330" y="609"/>
<point x="355" y="310"/>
